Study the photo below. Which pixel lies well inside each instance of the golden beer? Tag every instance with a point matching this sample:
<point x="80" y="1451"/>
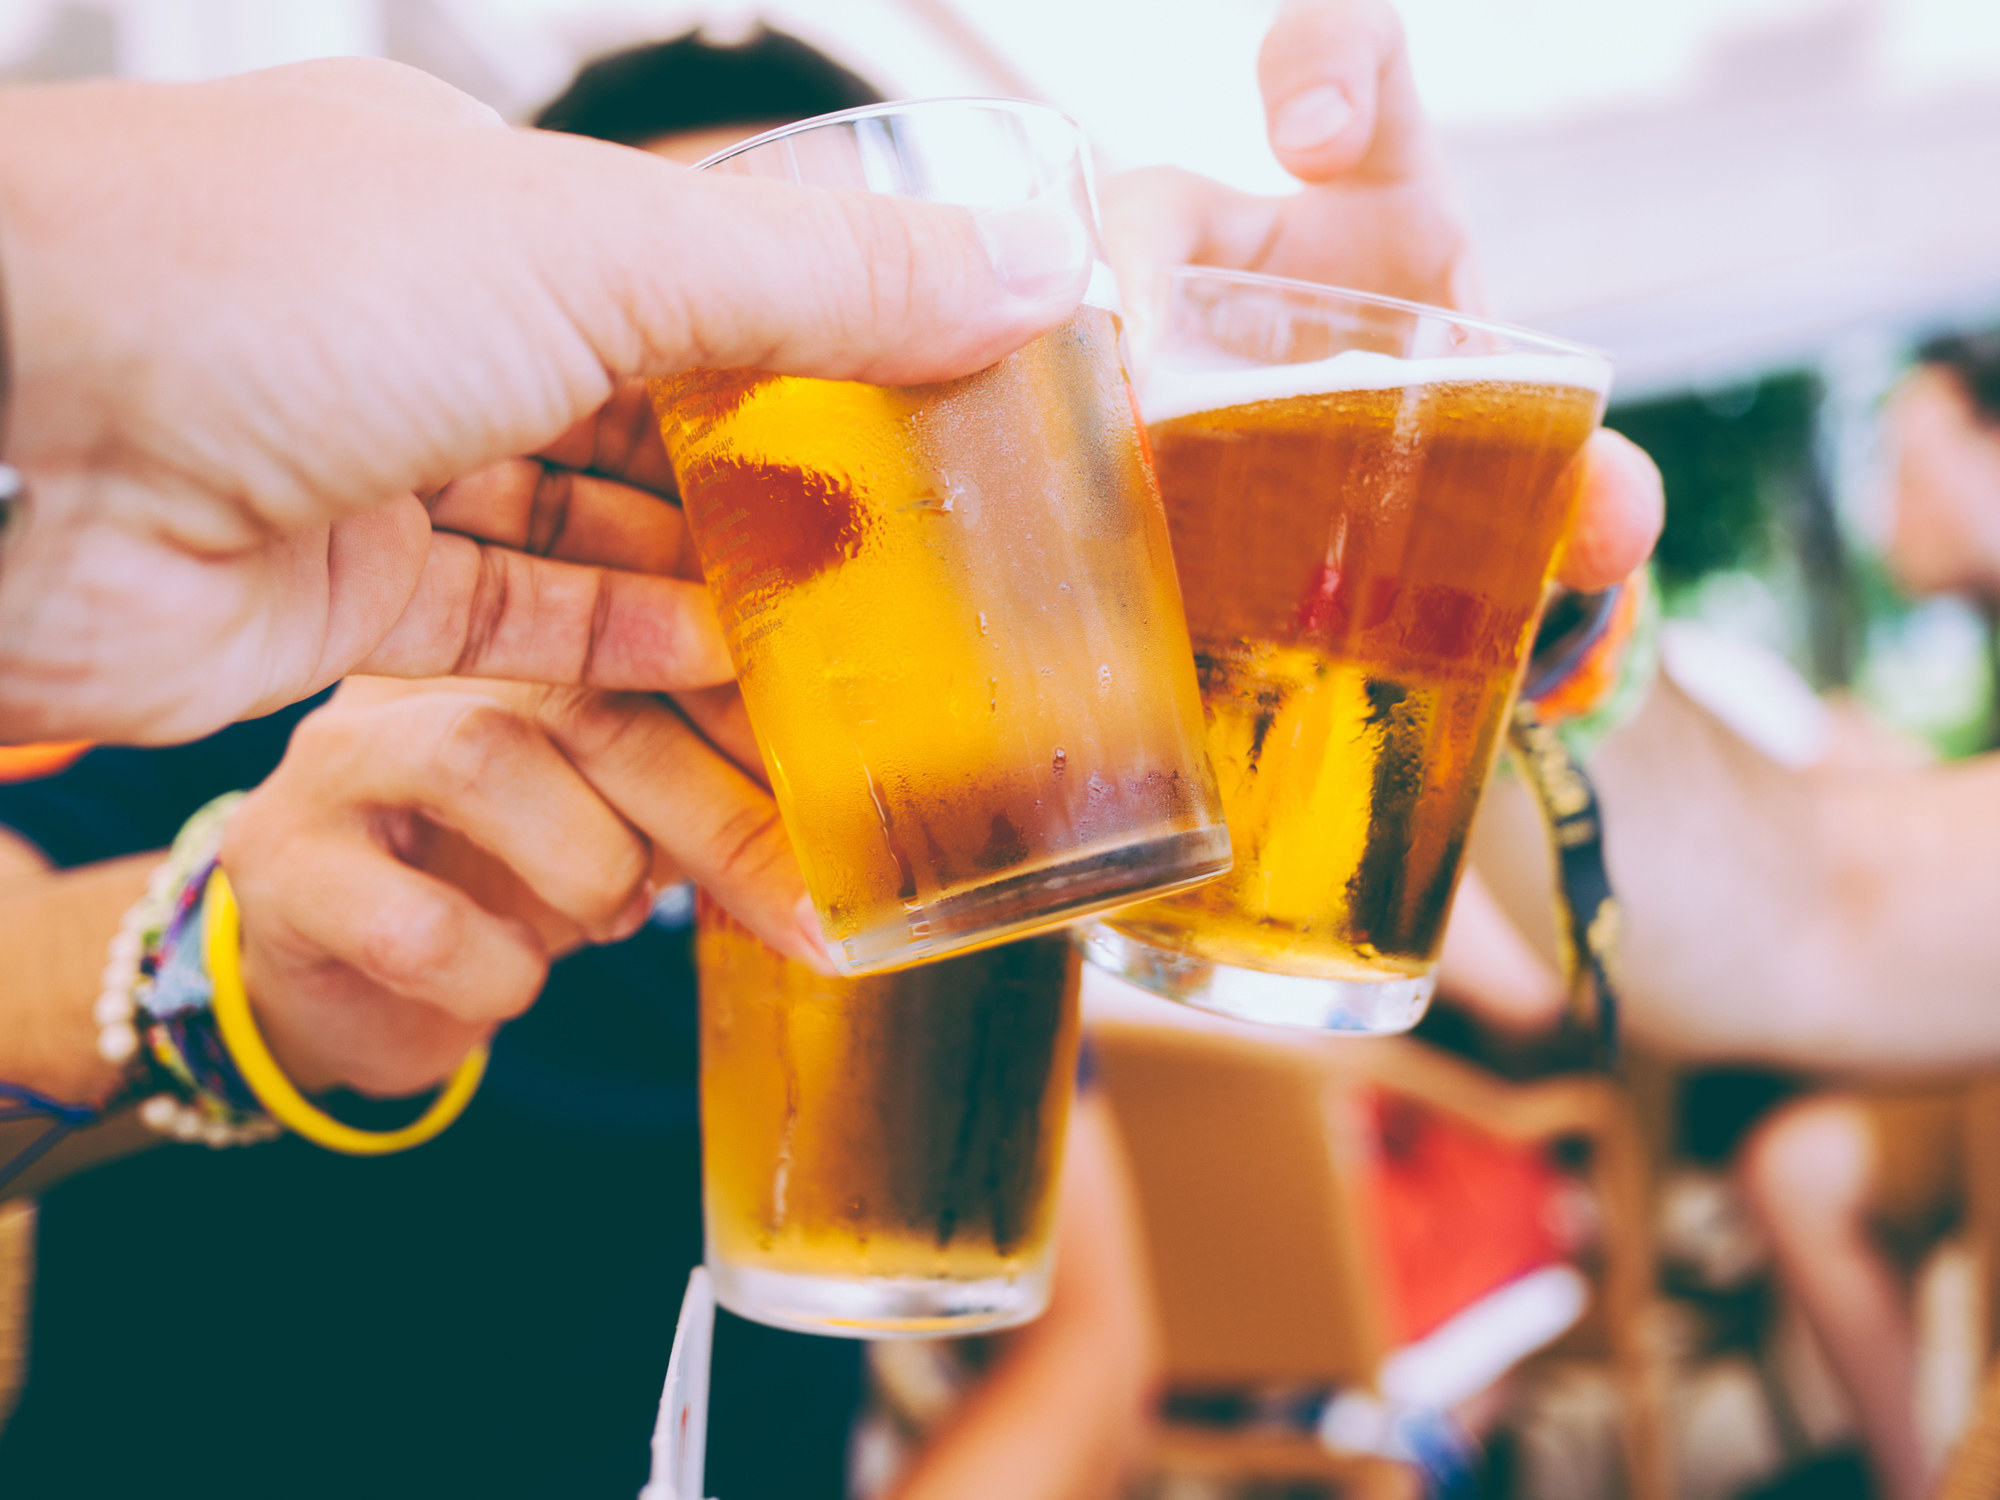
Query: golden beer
<point x="953" y="614"/>
<point x="880" y="1155"/>
<point x="952" y="608"/>
<point x="1364" y="543"/>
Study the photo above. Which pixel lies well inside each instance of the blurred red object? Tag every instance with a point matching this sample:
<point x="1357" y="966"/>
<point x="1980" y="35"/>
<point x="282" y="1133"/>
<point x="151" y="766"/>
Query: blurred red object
<point x="1459" y="1212"/>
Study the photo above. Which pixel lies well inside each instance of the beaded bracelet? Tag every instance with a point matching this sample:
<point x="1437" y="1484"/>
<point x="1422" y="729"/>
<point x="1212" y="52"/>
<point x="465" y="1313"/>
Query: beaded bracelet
<point x="154" y="1014"/>
<point x="175" y="1011"/>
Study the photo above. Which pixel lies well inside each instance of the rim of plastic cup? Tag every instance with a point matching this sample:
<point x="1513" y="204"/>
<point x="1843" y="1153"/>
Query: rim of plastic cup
<point x="890" y="107"/>
<point x="1396" y="304"/>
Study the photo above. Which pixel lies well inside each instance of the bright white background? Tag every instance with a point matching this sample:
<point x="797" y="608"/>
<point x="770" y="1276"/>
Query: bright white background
<point x="1705" y="187"/>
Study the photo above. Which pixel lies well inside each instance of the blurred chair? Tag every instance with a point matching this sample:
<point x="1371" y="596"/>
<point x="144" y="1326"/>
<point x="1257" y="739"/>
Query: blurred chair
<point x="1254" y="1198"/>
<point x="1982" y="1199"/>
<point x="1974" y="1473"/>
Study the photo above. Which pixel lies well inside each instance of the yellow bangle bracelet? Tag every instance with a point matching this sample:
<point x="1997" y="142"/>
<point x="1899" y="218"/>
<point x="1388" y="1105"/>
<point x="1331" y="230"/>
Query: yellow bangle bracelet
<point x="223" y="946"/>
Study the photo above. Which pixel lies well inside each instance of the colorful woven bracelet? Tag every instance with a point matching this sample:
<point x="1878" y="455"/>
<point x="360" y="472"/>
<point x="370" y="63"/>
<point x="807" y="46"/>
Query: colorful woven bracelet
<point x="174" y="1010"/>
<point x="154" y="1013"/>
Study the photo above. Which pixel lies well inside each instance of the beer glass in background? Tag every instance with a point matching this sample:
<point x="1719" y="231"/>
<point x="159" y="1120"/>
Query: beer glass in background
<point x="952" y="608"/>
<point x="879" y="1155"/>
<point x="1366" y="499"/>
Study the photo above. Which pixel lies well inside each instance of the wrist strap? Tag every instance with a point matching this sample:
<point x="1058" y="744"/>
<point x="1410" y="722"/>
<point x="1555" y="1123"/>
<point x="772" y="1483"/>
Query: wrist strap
<point x="1589" y="923"/>
<point x="277" y="1093"/>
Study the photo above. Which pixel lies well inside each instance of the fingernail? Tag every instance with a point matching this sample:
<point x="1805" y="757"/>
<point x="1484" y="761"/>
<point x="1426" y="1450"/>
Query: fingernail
<point x="637" y="912"/>
<point x="1312" y="118"/>
<point x="812" y="941"/>
<point x="1037" y="248"/>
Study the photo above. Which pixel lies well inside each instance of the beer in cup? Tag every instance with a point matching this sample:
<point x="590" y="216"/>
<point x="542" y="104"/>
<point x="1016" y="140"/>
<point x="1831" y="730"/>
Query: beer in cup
<point x="1366" y="499"/>
<point x="880" y="1154"/>
<point x="952" y="608"/>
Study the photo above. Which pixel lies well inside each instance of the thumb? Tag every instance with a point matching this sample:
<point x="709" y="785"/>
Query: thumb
<point x="722" y="271"/>
<point x="1338" y="93"/>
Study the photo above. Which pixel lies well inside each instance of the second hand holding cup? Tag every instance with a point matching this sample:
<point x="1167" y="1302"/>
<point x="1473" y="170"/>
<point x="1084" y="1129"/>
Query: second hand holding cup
<point x="952" y="608"/>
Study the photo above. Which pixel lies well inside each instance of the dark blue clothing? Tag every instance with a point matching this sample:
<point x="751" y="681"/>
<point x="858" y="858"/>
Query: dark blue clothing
<point x="486" y="1316"/>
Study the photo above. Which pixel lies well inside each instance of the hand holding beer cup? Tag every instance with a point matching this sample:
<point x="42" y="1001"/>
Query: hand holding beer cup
<point x="424" y="850"/>
<point x="252" y="321"/>
<point x="1377" y="213"/>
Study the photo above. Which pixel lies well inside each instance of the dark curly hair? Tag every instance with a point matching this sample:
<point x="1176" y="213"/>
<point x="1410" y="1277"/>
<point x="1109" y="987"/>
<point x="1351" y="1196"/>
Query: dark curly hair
<point x="665" y="88"/>
<point x="1973" y="359"/>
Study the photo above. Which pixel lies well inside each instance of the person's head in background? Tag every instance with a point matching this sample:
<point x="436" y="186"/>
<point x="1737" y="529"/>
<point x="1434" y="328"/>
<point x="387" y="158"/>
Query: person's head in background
<point x="1944" y="427"/>
<point x="689" y="97"/>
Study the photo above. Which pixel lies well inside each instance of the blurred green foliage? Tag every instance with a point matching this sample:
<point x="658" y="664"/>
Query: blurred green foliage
<point x="1748" y="494"/>
<point x="1726" y="457"/>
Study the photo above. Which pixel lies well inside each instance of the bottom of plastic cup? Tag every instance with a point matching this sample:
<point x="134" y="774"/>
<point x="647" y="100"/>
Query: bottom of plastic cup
<point x="1370" y="1006"/>
<point x="1038" y="899"/>
<point x="884" y="1307"/>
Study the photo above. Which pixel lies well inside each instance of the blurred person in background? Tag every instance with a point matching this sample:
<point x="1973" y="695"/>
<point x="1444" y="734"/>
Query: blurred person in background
<point x="1827" y="913"/>
<point x="1945" y="430"/>
<point x="1851" y="1185"/>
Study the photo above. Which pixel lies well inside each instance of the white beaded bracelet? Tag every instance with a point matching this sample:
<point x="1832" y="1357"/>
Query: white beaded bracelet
<point x="121" y="1013"/>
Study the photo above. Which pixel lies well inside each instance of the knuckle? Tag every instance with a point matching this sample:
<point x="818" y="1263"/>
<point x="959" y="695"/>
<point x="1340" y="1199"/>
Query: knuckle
<point x="409" y="945"/>
<point x="886" y="244"/>
<point x="549" y="509"/>
<point x="478" y="740"/>
<point x="320" y="738"/>
<point x="485" y="609"/>
<point x="423" y="1059"/>
<point x="607" y="886"/>
<point x="603" y="727"/>
<point x="748" y="841"/>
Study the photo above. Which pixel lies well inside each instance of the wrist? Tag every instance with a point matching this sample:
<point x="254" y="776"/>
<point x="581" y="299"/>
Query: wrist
<point x="54" y="929"/>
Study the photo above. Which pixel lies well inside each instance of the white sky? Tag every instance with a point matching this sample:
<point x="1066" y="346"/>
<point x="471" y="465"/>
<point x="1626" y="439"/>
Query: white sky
<point x="1173" y="80"/>
<point x="1716" y="189"/>
<point x="1154" y="80"/>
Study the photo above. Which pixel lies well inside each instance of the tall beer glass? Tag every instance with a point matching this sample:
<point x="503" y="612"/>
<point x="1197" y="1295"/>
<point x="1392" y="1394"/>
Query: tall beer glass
<point x="1366" y="498"/>
<point x="952" y="608"/>
<point x="879" y="1155"/>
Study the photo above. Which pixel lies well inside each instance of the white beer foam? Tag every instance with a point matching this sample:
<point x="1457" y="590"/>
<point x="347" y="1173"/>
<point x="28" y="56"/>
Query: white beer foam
<point x="1103" y="289"/>
<point x="1180" y="386"/>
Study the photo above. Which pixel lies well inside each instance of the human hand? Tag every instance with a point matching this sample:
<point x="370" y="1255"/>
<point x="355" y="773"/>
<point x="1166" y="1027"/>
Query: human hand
<point x="1377" y="213"/>
<point x="253" y="321"/>
<point x="423" y="852"/>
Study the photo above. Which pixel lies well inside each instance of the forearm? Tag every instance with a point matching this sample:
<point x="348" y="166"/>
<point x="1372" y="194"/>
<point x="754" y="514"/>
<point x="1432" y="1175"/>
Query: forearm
<point x="55" y="929"/>
<point x="1045" y="1424"/>
<point x="1810" y="919"/>
<point x="1911" y="880"/>
<point x="1060" y="1415"/>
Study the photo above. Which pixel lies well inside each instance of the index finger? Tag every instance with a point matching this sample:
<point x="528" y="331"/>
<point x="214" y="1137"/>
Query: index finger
<point x="704" y="813"/>
<point x="488" y="611"/>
